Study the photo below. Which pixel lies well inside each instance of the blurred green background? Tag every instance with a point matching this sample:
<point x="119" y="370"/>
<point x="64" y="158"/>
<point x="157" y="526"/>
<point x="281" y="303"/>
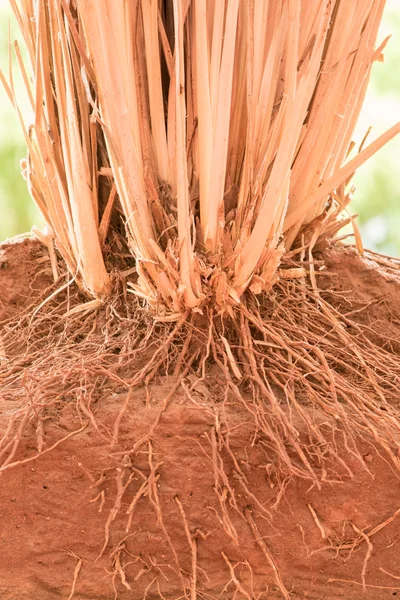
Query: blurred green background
<point x="377" y="198"/>
<point x="17" y="211"/>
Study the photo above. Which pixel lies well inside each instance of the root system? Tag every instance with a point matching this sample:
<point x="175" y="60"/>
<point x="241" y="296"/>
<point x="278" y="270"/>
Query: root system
<point x="304" y="381"/>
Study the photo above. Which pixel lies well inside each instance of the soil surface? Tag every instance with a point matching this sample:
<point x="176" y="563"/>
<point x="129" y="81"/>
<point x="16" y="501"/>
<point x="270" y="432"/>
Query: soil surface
<point x="25" y="273"/>
<point x="97" y="518"/>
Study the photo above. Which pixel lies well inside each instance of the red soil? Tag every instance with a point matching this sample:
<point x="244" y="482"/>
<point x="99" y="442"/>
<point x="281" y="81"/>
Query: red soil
<point x="54" y="509"/>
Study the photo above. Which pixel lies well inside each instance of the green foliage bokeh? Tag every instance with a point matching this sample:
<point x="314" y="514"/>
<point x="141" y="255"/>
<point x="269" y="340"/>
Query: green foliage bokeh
<point x="17" y="211"/>
<point x="377" y="197"/>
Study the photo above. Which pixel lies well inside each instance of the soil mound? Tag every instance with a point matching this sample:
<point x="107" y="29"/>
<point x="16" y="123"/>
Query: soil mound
<point x="169" y="491"/>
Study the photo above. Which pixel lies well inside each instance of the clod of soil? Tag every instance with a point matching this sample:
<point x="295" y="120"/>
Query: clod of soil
<point x="25" y="273"/>
<point x="112" y="511"/>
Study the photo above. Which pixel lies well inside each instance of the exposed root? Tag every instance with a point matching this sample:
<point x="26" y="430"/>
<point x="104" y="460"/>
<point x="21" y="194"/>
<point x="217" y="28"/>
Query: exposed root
<point x="78" y="567"/>
<point x="317" y="521"/>
<point x="264" y="549"/>
<point x="360" y="537"/>
<point x="193" y="550"/>
<point x="223" y="491"/>
<point x="368" y="554"/>
<point x="353" y="581"/>
<point x="121" y="488"/>
<point x="120" y="416"/>
<point x="388" y="573"/>
<point x="142" y="492"/>
<point x="234" y="579"/>
<point x="9" y="465"/>
<point x="291" y="354"/>
<point x="117" y="556"/>
<point x="101" y="496"/>
<point x="305" y="378"/>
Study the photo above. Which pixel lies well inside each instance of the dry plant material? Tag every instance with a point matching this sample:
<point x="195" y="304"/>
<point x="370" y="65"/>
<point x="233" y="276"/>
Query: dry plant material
<point x="223" y="129"/>
<point x="201" y="148"/>
<point x="300" y="361"/>
<point x="78" y="567"/>
<point x="310" y="384"/>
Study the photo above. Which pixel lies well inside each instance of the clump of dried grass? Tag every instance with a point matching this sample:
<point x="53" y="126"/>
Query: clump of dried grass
<point x="222" y="128"/>
<point x="206" y="143"/>
<point x="217" y="134"/>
